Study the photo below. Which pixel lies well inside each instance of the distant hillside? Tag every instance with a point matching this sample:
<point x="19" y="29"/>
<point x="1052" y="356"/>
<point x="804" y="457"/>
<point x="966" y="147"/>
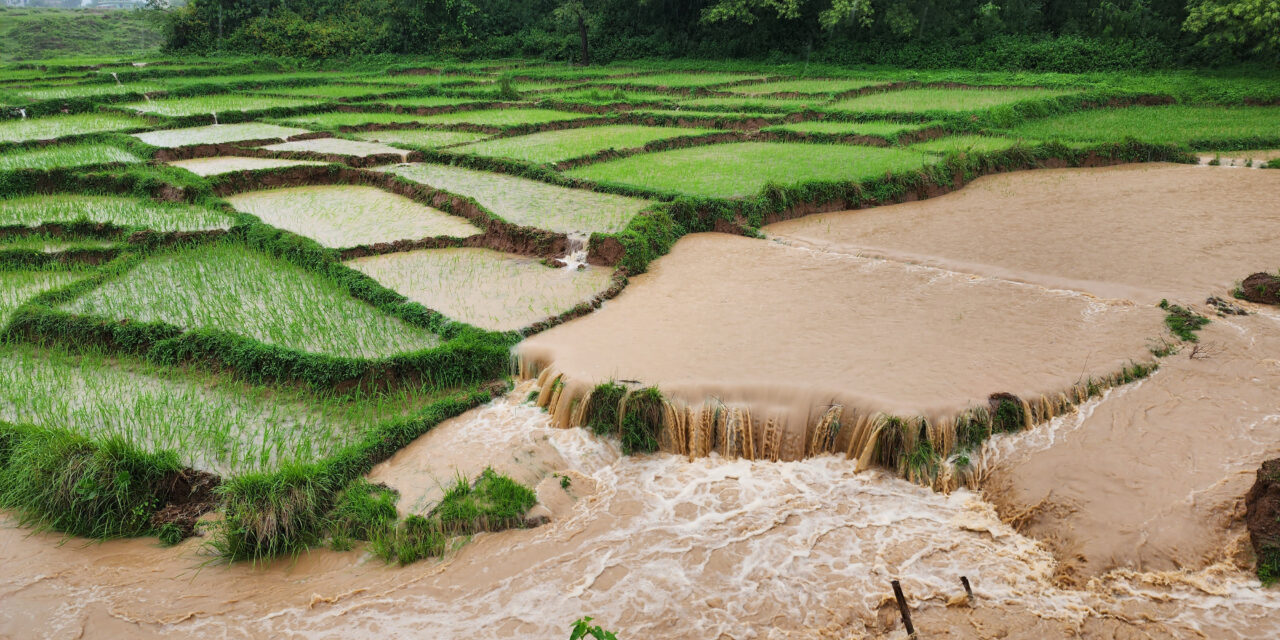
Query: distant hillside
<point x="29" y="33"/>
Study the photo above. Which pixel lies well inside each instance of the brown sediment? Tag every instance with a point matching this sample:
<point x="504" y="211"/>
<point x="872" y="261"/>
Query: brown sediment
<point x="498" y="234"/>
<point x="189" y="494"/>
<point x="1141" y="232"/>
<point x="1263" y="288"/>
<point x="875" y="338"/>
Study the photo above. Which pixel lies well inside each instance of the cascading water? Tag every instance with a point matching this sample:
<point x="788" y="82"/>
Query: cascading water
<point x="215" y="117"/>
<point x="23" y="112"/>
<point x="576" y="251"/>
<point x="117" y="78"/>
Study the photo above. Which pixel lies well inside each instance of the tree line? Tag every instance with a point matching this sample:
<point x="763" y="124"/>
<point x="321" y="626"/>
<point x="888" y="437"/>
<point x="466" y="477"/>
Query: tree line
<point x="1043" y="35"/>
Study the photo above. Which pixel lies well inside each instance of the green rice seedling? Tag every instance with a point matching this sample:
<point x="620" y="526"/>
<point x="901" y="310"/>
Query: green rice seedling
<point x="215" y="165"/>
<point x="337" y="146"/>
<point x="484" y="288"/>
<point x="65" y="155"/>
<point x="1183" y="322"/>
<point x="686" y="80"/>
<point x="94" y="90"/>
<point x="604" y="96"/>
<point x="331" y="90"/>
<point x="335" y="119"/>
<point x="48" y="128"/>
<point x="216" y="103"/>
<point x="17" y="287"/>
<point x="642" y="413"/>
<point x="217" y="134"/>
<point x="213" y="422"/>
<point x="694" y="113"/>
<point x="743" y="169"/>
<point x="427" y="80"/>
<point x="502" y="117"/>
<point x="966" y="144"/>
<point x="428" y="138"/>
<point x="350" y="215"/>
<point x="50" y="244"/>
<point x="756" y="104"/>
<point x="882" y="128"/>
<point x="271" y="514"/>
<point x="554" y="146"/>
<point x="228" y="287"/>
<point x="824" y="86"/>
<point x="1205" y="127"/>
<point x="601" y="415"/>
<point x="428" y="102"/>
<point x="529" y="202"/>
<point x="256" y="80"/>
<point x="927" y="100"/>
<point x="130" y="213"/>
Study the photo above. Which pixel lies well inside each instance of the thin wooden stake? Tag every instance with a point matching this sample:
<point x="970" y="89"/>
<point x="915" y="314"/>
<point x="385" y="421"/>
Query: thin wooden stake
<point x="902" y="608"/>
<point x="964" y="580"/>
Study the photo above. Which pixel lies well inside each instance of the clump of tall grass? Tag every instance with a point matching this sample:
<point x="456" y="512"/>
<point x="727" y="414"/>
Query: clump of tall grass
<point x="642" y="417"/>
<point x="1183" y="322"/>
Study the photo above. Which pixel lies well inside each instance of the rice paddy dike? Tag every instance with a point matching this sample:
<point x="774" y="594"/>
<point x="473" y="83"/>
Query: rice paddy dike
<point x="695" y="349"/>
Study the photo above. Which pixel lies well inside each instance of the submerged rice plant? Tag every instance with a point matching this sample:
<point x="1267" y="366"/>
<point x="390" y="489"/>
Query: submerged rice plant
<point x="554" y="146"/>
<point x="217" y="134"/>
<point x="122" y="211"/>
<point x="17" y="287"/>
<point x="229" y="287"/>
<point x="502" y="117"/>
<point x="350" y="215"/>
<point x="937" y="99"/>
<point x="216" y="103"/>
<point x="420" y="137"/>
<point x="529" y="202"/>
<point x="808" y="85"/>
<point x="65" y="155"/>
<point x="18" y="130"/>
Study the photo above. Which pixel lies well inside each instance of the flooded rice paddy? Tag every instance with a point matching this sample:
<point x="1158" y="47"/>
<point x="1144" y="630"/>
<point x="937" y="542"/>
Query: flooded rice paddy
<point x="214" y="165"/>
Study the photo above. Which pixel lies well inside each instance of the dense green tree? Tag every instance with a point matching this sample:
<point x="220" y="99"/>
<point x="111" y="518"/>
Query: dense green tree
<point x="1251" y="26"/>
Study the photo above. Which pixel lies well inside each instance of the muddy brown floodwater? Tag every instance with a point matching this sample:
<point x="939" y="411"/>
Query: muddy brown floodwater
<point x="1116" y="520"/>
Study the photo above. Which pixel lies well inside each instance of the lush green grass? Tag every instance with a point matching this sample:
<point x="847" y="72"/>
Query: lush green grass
<point x="694" y="113"/>
<point x="502" y="117"/>
<point x="65" y="155"/>
<point x="49" y="244"/>
<point x="683" y="80"/>
<point x="133" y="213"/>
<point x="216" y="103"/>
<point x="16" y="287"/>
<point x="21" y="129"/>
<point x="605" y="96"/>
<point x="213" y="422"/>
<point x="882" y="128"/>
<point x="46" y="33"/>
<point x="231" y="288"/>
<point x="420" y="137"/>
<point x="65" y="92"/>
<point x="1199" y="126"/>
<point x="484" y="288"/>
<point x="335" y="119"/>
<point x="529" y="202"/>
<point x="217" y="134"/>
<point x="966" y="144"/>
<point x="554" y="146"/>
<point x="814" y="86"/>
<point x="941" y="100"/>
<point x="349" y="215"/>
<point x="742" y="169"/>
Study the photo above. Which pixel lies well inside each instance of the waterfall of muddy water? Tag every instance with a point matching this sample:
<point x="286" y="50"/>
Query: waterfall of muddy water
<point x="793" y="339"/>
<point x="576" y="256"/>
<point x="658" y="547"/>
<point x="1141" y="232"/>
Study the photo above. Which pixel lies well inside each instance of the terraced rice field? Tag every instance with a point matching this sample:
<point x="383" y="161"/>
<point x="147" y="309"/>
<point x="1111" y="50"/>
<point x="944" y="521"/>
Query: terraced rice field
<point x="684" y="80"/>
<point x="966" y="144"/>
<point x="336" y="146"/>
<point x="529" y="202"/>
<point x="1195" y="126"/>
<point x="743" y="169"/>
<point x="130" y="213"/>
<point x="824" y="86"/>
<point x="555" y="146"/>
<point x="350" y="215"/>
<point x="484" y="288"/>
<point x="332" y="90"/>
<point x="48" y="128"/>
<point x="17" y="287"/>
<point x="881" y="128"/>
<point x="335" y="119"/>
<point x="218" y="134"/>
<point x="930" y="100"/>
<point x="420" y="137"/>
<point x="502" y="118"/>
<point x="65" y="155"/>
<point x="210" y="104"/>
<point x="215" y="165"/>
<point x="228" y="287"/>
<point x="66" y="92"/>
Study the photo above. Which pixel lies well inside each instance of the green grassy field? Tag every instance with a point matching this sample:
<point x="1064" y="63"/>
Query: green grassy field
<point x="65" y="155"/>
<point x="350" y="215"/>
<point x="130" y="213"/>
<point x="529" y="202"/>
<point x="1201" y="127"/>
<point x="34" y="33"/>
<point x="965" y="144"/>
<point x="48" y="128"/>
<point x="230" y="288"/>
<point x="555" y="146"/>
<point x="742" y="169"/>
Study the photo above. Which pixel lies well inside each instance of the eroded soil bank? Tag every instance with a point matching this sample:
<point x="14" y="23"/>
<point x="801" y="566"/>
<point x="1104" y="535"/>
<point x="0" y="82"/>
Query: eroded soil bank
<point x="658" y="546"/>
